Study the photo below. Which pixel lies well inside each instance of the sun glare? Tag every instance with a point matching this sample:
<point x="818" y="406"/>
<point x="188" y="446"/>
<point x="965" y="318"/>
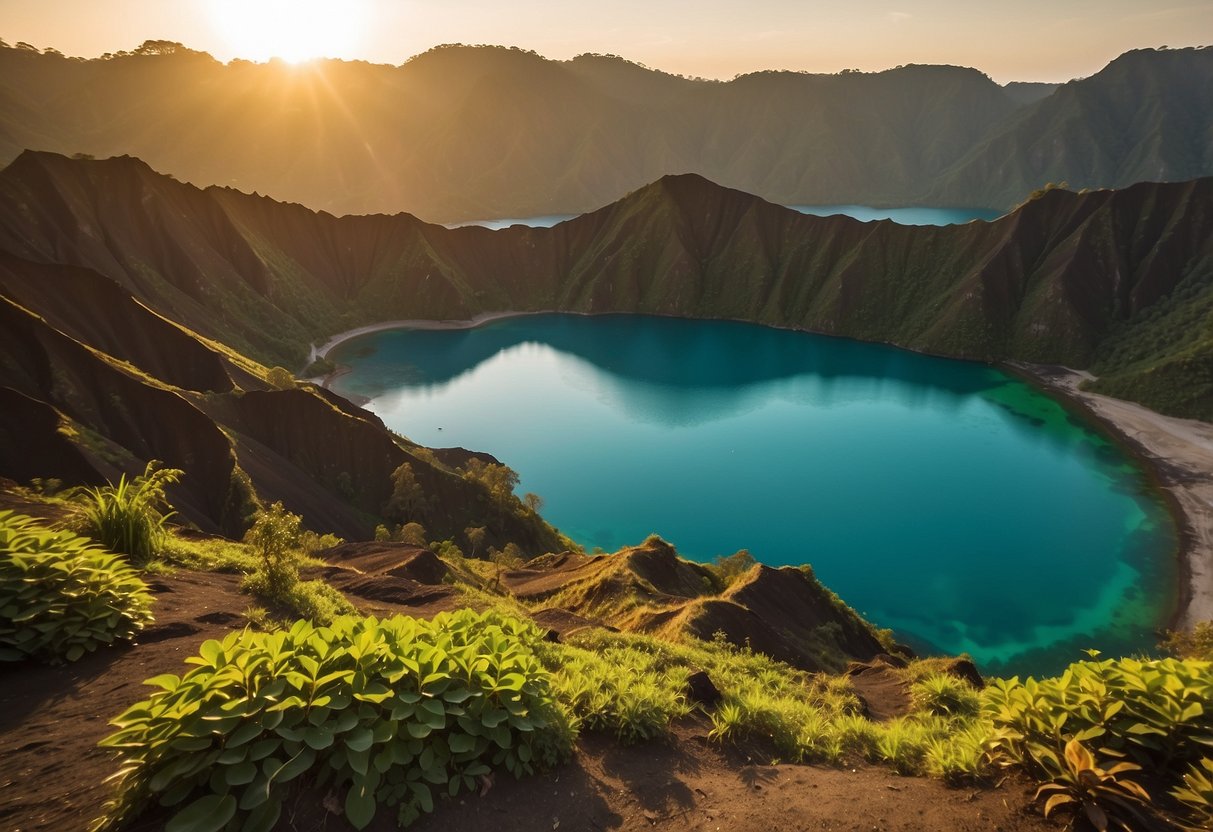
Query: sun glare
<point x="294" y="30"/>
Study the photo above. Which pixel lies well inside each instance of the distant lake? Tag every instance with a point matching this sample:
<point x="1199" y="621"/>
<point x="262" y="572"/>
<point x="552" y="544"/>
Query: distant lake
<point x="903" y="216"/>
<point x="546" y="221"/>
<point x="941" y="498"/>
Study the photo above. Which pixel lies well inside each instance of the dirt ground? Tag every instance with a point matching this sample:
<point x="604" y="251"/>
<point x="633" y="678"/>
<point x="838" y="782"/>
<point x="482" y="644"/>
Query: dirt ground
<point x="52" y="773"/>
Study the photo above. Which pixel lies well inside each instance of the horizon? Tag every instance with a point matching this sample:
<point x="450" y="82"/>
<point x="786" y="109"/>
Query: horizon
<point x="1073" y="39"/>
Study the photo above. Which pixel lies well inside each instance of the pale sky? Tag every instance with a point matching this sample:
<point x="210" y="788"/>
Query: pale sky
<point x="1027" y="40"/>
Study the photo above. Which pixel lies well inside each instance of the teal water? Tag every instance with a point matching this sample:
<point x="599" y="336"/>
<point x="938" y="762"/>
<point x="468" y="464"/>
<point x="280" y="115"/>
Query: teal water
<point x="941" y="498"/>
<point x="903" y="216"/>
<point x="546" y="221"/>
<point x="863" y="213"/>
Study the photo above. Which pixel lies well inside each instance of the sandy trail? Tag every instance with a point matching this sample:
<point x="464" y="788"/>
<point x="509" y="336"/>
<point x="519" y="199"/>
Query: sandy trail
<point x="328" y="346"/>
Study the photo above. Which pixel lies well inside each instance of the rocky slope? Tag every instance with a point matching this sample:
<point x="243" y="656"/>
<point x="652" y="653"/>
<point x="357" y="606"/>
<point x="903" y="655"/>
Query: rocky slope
<point x="1116" y="281"/>
<point x="476" y="132"/>
<point x="95" y="384"/>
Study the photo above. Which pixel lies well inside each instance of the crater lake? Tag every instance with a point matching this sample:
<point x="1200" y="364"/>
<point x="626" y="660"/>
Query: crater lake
<point x="944" y="499"/>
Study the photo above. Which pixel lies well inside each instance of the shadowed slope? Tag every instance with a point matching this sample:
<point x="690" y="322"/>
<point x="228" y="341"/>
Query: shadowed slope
<point x="1077" y="279"/>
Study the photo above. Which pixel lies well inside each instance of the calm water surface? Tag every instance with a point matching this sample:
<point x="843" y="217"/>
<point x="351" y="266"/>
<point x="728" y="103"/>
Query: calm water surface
<point x="903" y="216"/>
<point x="863" y="213"/>
<point x="941" y="498"/>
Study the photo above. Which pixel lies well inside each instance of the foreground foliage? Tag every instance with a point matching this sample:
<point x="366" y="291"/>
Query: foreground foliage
<point x="379" y="712"/>
<point x="61" y="596"/>
<point x="1094" y="732"/>
<point x="128" y="517"/>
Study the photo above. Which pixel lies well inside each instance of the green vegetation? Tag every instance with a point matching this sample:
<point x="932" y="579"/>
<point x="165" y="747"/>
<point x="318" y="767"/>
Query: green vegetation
<point x="1156" y="716"/>
<point x="634" y="686"/>
<point x="1196" y="795"/>
<point x="277" y="541"/>
<point x="1197" y="644"/>
<point x="280" y="378"/>
<point x="388" y="712"/>
<point x="61" y="596"/>
<point x="728" y="569"/>
<point x="1105" y="798"/>
<point x="944" y="695"/>
<point x="128" y="517"/>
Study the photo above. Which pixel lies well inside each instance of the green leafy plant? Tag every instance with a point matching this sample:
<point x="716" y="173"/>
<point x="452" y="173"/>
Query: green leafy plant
<point x="379" y="712"/>
<point x="1105" y="797"/>
<point x="1196" y="795"/>
<point x="128" y="517"/>
<point x="1157" y="713"/>
<point x="61" y="596"/>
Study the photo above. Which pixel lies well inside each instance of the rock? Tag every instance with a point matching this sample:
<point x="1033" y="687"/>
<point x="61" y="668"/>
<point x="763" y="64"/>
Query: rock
<point x="701" y="690"/>
<point x="966" y="670"/>
<point x="890" y="660"/>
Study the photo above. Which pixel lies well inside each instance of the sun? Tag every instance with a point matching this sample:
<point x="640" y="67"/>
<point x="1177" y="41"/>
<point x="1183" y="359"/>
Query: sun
<point x="294" y="30"/>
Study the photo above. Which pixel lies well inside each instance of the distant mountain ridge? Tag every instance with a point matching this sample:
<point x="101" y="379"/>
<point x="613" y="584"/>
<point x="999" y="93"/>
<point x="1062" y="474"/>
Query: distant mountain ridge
<point x="1117" y="281"/>
<point x="463" y="133"/>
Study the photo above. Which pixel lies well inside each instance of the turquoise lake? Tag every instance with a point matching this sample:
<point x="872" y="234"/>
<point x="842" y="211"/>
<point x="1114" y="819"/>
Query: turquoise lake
<point x="943" y="499"/>
<point x="863" y="213"/>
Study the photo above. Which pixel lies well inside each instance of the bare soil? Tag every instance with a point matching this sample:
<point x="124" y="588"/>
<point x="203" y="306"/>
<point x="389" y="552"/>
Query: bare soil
<point x="52" y="773"/>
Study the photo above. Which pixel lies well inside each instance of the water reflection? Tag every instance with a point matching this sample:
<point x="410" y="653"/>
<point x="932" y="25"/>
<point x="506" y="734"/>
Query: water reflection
<point x="941" y="498"/>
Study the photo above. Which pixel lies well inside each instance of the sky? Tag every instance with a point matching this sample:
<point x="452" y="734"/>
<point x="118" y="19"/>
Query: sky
<point x="1022" y="40"/>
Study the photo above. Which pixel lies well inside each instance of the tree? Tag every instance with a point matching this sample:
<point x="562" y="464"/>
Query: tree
<point x="499" y="480"/>
<point x="412" y="533"/>
<point x="281" y="378"/>
<point x="407" y="500"/>
<point x="274" y="537"/>
<point x="475" y="536"/>
<point x="533" y="501"/>
<point x="160" y="47"/>
<point x="729" y="569"/>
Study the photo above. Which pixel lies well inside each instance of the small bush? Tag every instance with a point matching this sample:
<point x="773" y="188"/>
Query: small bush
<point x="61" y="596"/>
<point x="128" y="517"/>
<point x="941" y="694"/>
<point x="1155" y="716"/>
<point x="1197" y="644"/>
<point x="274" y="537"/>
<point x="383" y="712"/>
<point x="727" y="570"/>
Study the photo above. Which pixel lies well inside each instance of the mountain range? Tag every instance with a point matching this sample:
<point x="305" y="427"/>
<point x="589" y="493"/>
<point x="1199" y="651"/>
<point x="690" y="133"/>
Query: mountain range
<point x="1120" y="282"/>
<point x="463" y="133"/>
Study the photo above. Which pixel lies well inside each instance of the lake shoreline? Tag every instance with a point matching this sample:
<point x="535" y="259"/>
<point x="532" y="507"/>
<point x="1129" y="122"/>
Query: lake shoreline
<point x="1176" y="453"/>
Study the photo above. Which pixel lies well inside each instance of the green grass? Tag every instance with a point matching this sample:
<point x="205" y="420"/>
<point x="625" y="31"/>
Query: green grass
<point x="128" y="517"/>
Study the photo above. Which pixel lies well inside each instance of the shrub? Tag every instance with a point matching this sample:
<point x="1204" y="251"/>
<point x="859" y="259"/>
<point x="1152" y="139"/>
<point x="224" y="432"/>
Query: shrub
<point x="1157" y="713"/>
<point x="728" y="569"/>
<point x="280" y="378"/>
<point x="1154" y="715"/>
<point x="941" y="694"/>
<point x="61" y="596"/>
<point x="1106" y="797"/>
<point x="128" y="517"/>
<point x="1196" y="794"/>
<point x="274" y="537"/>
<point x="385" y="711"/>
<point x="1197" y="644"/>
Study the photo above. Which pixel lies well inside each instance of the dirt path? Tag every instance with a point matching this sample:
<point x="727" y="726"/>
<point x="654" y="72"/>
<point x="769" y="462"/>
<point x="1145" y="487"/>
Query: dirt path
<point x="51" y="718"/>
